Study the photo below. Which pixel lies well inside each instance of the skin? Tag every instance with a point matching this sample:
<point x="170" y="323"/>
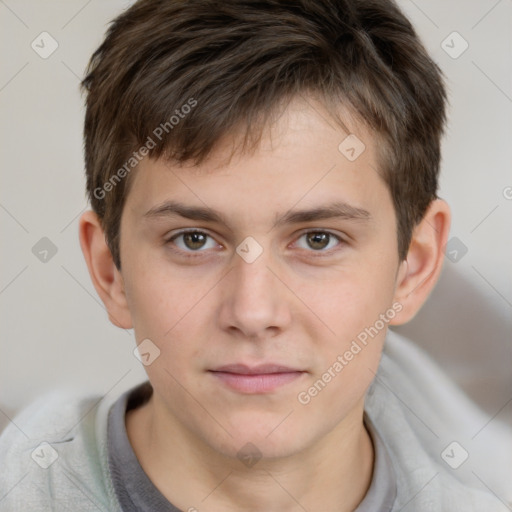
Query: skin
<point x="297" y="304"/>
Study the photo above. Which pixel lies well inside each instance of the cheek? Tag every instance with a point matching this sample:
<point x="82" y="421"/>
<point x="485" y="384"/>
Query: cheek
<point x="159" y="298"/>
<point x="358" y="312"/>
<point x="169" y="310"/>
<point x="350" y="299"/>
<point x="355" y="309"/>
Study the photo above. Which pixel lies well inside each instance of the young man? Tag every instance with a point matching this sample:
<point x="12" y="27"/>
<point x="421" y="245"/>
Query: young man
<point x="263" y="181"/>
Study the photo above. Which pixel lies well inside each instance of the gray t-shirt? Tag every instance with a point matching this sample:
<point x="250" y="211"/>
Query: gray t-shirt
<point x="137" y="493"/>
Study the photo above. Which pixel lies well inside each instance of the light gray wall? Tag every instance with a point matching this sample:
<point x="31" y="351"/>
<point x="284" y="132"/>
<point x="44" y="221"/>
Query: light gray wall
<point x="54" y="329"/>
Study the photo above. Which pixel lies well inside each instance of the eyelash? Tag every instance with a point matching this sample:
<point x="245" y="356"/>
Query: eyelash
<point x="195" y="254"/>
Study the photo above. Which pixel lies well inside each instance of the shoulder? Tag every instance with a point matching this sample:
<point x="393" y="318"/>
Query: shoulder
<point x="53" y="455"/>
<point x="428" y="427"/>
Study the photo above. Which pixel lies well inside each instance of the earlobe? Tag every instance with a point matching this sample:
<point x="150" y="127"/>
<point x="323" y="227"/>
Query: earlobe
<point x="420" y="271"/>
<point x="106" y="278"/>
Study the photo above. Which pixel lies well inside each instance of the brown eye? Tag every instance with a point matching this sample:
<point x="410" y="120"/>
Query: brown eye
<point x="193" y="241"/>
<point x="318" y="240"/>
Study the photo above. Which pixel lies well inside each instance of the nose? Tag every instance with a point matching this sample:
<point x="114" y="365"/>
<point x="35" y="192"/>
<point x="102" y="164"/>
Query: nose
<point x="255" y="302"/>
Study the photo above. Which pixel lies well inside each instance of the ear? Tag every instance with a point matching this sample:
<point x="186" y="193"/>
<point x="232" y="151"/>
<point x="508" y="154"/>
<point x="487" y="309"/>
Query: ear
<point x="105" y="276"/>
<point x="419" y="272"/>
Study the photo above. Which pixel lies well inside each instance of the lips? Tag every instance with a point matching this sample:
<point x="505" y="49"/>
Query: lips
<point x="259" y="379"/>
<point x="262" y="369"/>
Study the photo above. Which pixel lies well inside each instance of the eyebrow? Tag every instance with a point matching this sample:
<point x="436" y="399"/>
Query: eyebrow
<point x="336" y="210"/>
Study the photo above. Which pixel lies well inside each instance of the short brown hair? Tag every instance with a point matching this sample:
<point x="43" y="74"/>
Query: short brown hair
<point x="192" y="71"/>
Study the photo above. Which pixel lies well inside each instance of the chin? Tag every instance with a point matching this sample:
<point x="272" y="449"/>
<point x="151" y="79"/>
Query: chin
<point x="269" y="439"/>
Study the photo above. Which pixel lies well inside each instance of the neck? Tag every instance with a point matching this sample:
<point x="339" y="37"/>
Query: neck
<point x="333" y="474"/>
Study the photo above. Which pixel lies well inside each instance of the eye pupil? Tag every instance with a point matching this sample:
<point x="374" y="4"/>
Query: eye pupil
<point x="318" y="240"/>
<point x="194" y="240"/>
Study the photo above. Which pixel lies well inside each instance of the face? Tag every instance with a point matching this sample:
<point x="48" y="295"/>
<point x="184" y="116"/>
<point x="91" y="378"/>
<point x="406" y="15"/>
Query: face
<point x="266" y="284"/>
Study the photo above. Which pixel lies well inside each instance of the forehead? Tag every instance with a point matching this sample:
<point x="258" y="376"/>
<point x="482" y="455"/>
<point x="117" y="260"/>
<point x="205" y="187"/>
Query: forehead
<point x="304" y="158"/>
